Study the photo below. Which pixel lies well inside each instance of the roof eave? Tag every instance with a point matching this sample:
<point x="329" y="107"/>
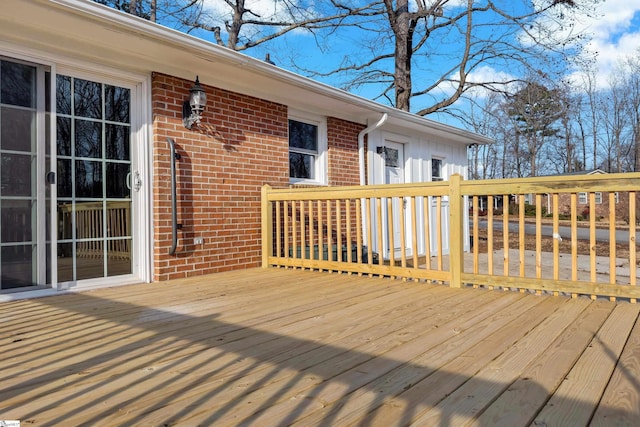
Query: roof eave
<point x="336" y="101"/>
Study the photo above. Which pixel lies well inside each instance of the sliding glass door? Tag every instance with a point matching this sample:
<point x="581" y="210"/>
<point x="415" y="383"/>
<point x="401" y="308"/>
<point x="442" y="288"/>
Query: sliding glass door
<point x="89" y="190"/>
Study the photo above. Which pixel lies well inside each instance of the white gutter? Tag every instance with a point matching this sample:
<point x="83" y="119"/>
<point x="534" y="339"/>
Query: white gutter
<point x="361" y="159"/>
<point x="211" y="52"/>
<point x="361" y="135"/>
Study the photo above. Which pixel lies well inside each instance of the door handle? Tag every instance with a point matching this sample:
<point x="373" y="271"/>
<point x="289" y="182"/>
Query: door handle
<point x="137" y="181"/>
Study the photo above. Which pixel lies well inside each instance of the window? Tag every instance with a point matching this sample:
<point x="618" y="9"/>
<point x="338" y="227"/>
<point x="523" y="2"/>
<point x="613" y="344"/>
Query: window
<point x="436" y="170"/>
<point x="582" y="198"/>
<point x="390" y="156"/>
<point x="307" y="147"/>
<point x="598" y="198"/>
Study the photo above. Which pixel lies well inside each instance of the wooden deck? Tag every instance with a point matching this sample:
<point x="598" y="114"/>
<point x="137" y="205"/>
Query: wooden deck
<point x="270" y="347"/>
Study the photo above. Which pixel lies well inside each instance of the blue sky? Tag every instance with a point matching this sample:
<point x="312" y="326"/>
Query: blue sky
<point x="614" y="30"/>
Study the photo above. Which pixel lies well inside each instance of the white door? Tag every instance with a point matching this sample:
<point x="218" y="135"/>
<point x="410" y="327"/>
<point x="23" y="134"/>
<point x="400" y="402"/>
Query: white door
<point x="393" y="157"/>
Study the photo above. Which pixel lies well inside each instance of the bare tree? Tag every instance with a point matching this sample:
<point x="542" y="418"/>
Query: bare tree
<point x="143" y="8"/>
<point x="615" y="123"/>
<point x="535" y="111"/>
<point x="448" y="41"/>
<point x="243" y="24"/>
<point x="564" y="154"/>
<point x="451" y="41"/>
<point x="485" y="117"/>
<point x="632" y="91"/>
<point x="593" y="104"/>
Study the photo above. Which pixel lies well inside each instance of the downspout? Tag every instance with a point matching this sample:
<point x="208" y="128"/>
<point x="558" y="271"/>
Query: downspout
<point x="361" y="135"/>
<point x="361" y="159"/>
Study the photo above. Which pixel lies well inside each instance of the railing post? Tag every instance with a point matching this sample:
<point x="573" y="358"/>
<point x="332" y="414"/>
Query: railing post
<point x="267" y="225"/>
<point x="456" y="230"/>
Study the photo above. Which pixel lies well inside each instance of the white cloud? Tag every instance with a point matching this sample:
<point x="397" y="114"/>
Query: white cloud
<point x="449" y="4"/>
<point x="614" y="34"/>
<point x="489" y="74"/>
<point x="483" y="74"/>
<point x="267" y="10"/>
<point x="261" y="10"/>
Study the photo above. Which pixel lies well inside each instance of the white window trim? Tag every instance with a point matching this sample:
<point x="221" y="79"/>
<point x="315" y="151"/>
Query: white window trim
<point x="598" y="197"/>
<point x="583" y="198"/>
<point x="321" y="164"/>
<point x="443" y="169"/>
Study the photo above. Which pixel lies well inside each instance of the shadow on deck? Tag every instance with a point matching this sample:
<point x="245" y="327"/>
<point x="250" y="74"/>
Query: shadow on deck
<point x="283" y="347"/>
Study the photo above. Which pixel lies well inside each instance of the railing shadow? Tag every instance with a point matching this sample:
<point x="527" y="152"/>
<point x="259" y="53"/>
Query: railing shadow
<point x="193" y="367"/>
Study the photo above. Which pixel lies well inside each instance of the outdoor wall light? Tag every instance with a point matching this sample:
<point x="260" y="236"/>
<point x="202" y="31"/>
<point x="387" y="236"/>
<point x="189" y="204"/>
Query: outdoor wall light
<point x="193" y="108"/>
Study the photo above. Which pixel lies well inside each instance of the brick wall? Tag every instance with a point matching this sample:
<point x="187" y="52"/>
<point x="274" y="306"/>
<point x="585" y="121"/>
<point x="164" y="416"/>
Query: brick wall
<point x="601" y="209"/>
<point x="342" y="143"/>
<point x="241" y="145"/>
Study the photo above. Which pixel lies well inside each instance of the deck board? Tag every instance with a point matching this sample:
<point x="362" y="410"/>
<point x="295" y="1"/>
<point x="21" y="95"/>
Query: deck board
<point x="620" y="404"/>
<point x="284" y="346"/>
<point x="493" y="379"/>
<point x="541" y="377"/>
<point x="579" y="394"/>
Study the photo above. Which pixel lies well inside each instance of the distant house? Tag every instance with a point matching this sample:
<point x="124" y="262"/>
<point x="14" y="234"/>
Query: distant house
<point x="602" y="205"/>
<point x="90" y="98"/>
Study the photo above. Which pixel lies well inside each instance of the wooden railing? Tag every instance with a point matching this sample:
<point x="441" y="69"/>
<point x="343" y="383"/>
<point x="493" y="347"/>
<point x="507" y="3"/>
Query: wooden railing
<point x="89" y="228"/>
<point x="577" y="236"/>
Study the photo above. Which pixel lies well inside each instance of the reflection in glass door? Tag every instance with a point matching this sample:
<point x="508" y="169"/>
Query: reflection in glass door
<point x="94" y="179"/>
<point x="23" y="212"/>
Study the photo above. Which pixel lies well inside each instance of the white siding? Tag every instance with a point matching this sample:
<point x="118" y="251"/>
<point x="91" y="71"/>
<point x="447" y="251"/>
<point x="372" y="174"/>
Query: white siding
<point x="419" y="150"/>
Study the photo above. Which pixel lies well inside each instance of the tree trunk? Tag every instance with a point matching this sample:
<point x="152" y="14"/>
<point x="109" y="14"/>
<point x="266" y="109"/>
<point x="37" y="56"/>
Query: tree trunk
<point x="533" y="163"/>
<point x="595" y="149"/>
<point x="132" y="7"/>
<point x="568" y="147"/>
<point x="233" y="29"/>
<point x="583" y="140"/>
<point x="154" y="6"/>
<point x="402" y="29"/>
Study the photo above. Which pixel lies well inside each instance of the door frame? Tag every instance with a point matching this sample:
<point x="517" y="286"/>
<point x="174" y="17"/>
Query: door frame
<point x="141" y="160"/>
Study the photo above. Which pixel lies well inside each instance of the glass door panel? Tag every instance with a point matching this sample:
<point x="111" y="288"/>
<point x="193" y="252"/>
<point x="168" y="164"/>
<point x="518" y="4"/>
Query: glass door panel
<point x="19" y="237"/>
<point x="94" y="170"/>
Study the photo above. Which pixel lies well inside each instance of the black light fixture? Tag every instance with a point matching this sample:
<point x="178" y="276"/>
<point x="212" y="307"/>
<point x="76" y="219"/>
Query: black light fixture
<point x="193" y="108"/>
